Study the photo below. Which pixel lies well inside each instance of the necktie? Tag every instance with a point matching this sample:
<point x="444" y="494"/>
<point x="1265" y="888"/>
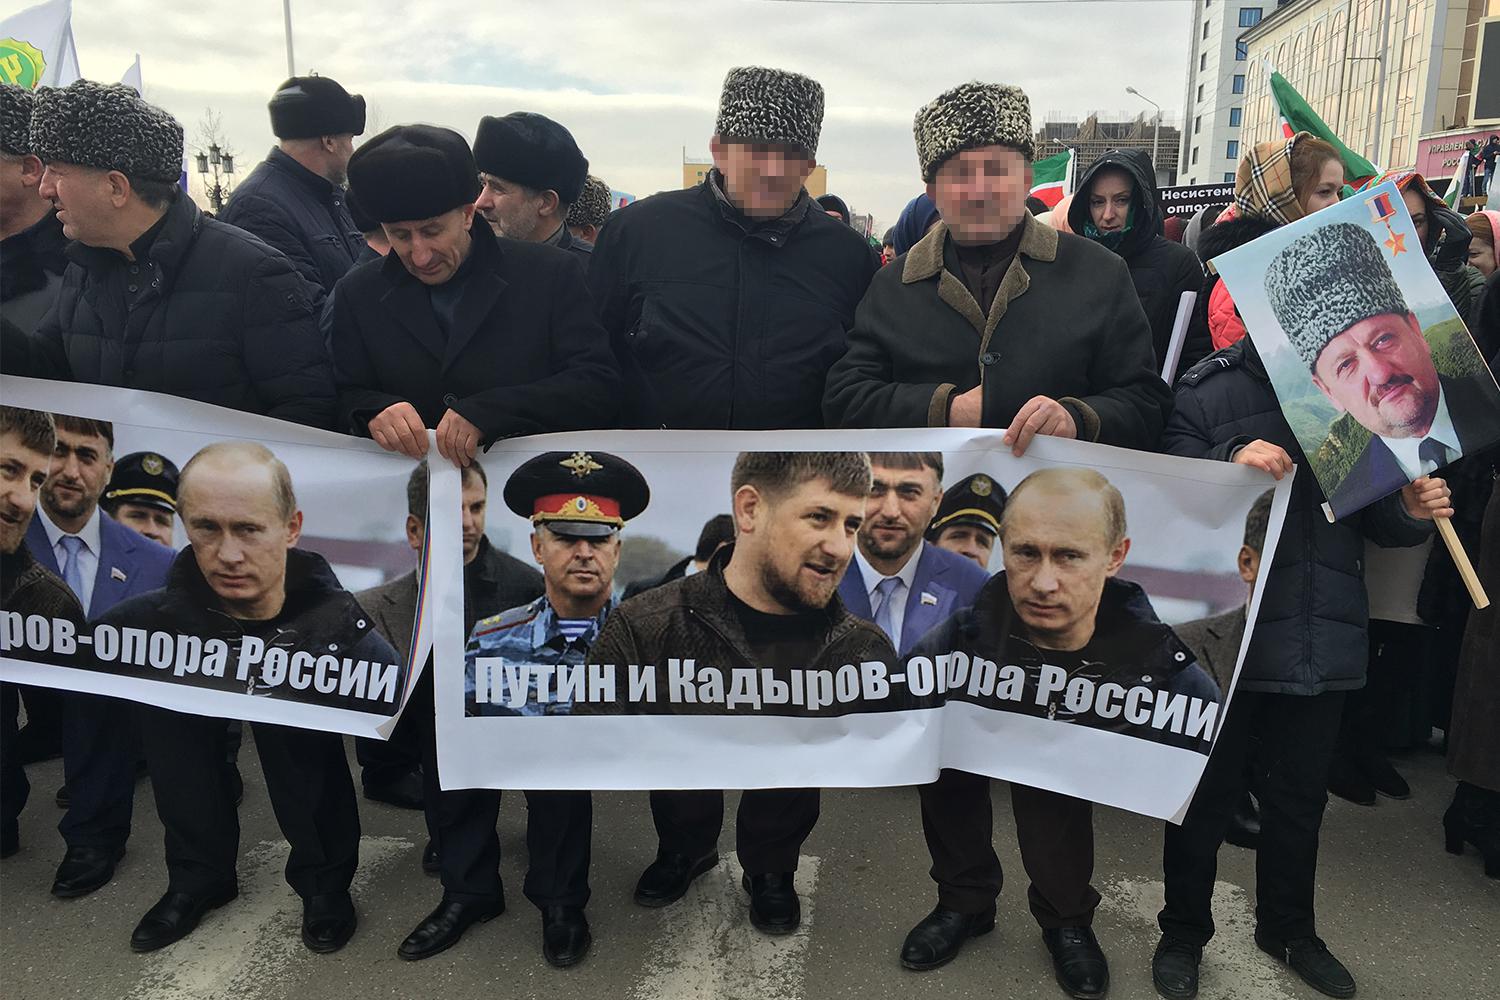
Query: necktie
<point x="886" y="590"/>
<point x="72" y="567"/>
<point x="1432" y="454"/>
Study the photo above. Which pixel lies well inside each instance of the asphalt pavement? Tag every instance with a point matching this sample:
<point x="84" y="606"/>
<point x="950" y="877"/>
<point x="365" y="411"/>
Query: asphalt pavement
<point x="1410" y="920"/>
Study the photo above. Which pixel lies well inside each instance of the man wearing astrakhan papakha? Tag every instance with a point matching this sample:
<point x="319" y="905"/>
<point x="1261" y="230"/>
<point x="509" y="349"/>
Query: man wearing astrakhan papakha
<point x="996" y="320"/>
<point x="156" y="296"/>
<point x="242" y="580"/>
<point x="771" y="600"/>
<point x="457" y="329"/>
<point x="1335" y="297"/>
<point x="576" y="503"/>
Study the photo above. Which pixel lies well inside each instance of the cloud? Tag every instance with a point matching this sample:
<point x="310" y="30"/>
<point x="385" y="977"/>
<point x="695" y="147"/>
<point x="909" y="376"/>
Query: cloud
<point x="637" y="83"/>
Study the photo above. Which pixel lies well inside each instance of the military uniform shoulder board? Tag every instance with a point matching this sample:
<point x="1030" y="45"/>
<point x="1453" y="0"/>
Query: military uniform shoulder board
<point x="506" y="620"/>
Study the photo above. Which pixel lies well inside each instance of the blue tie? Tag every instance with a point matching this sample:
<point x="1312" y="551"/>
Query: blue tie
<point x="886" y="591"/>
<point x="72" y="567"/>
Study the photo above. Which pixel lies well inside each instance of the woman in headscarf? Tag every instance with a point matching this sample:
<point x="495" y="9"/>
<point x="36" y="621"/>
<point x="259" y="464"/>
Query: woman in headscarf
<point x="1484" y="225"/>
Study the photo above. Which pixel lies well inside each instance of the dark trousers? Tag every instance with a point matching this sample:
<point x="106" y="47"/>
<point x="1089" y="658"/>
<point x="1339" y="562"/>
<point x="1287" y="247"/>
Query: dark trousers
<point x="384" y="761"/>
<point x="1296" y="736"/>
<point x="101" y="743"/>
<point x="1055" y="833"/>
<point x="307" y="779"/>
<point x="41" y="739"/>
<point x="14" y="788"/>
<point x="461" y="823"/>
<point x="770" y="828"/>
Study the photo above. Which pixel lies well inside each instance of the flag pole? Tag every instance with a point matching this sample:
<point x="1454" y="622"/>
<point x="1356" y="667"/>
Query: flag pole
<point x="286" y="12"/>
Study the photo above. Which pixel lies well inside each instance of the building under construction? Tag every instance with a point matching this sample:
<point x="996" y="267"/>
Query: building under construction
<point x="1092" y="138"/>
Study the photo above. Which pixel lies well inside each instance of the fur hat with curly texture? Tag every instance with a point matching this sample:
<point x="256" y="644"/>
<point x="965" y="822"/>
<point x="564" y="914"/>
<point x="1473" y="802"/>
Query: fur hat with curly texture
<point x="108" y="127"/>
<point x="593" y="205"/>
<point x="15" y="119"/>
<point x="771" y="105"/>
<point x="970" y="116"/>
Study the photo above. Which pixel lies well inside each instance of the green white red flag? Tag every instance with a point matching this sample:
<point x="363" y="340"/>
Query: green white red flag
<point x="1298" y="116"/>
<point x="1052" y="178"/>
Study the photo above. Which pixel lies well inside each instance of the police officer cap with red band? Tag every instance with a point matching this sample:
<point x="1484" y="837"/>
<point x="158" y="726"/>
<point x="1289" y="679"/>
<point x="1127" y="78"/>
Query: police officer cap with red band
<point x="578" y="494"/>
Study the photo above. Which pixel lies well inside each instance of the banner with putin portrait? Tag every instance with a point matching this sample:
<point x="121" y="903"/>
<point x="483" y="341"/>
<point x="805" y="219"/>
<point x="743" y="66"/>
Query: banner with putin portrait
<point x="672" y="609"/>
<point x="1375" y="371"/>
<point x="209" y="561"/>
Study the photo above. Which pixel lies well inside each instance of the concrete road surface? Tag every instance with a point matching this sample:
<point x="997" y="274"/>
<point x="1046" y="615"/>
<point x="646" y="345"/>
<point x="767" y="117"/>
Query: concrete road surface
<point x="1409" y="920"/>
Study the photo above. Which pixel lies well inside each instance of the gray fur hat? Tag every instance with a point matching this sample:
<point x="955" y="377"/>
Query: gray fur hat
<point x="108" y="127"/>
<point x="592" y="207"/>
<point x="15" y="119"/>
<point x="771" y="105"/>
<point x="969" y="116"/>
<point x="1325" y="281"/>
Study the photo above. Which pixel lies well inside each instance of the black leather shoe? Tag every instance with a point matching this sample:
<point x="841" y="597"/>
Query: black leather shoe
<point x="1244" y="825"/>
<point x="1349" y="783"/>
<point x="63" y="798"/>
<point x="328" y="921"/>
<point x="432" y="862"/>
<point x="403" y="792"/>
<point x="565" y="935"/>
<point x="1384" y="778"/>
<point x="1310" y="959"/>
<point x="774" y="906"/>
<point x="442" y="928"/>
<point x="1174" y="968"/>
<point x="940" y="935"/>
<point x="666" y="879"/>
<point x="1082" y="970"/>
<point x="85" y="869"/>
<point x="174" y="916"/>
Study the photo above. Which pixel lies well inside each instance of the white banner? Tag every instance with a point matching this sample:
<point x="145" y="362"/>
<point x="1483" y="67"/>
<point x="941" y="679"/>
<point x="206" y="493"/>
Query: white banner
<point x="1127" y="719"/>
<point x="243" y="628"/>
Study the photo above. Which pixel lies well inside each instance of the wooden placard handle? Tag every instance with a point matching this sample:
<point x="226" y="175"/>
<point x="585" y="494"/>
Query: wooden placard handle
<point x="1461" y="560"/>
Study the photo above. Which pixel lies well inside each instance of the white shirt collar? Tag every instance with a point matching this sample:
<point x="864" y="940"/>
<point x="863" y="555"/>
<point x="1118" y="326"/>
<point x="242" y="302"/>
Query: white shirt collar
<point x="89" y="534"/>
<point x="871" y="577"/>
<point x="1406" y="450"/>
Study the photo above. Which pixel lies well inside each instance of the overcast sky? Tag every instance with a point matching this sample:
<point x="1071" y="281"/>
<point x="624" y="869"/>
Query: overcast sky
<point x="636" y="82"/>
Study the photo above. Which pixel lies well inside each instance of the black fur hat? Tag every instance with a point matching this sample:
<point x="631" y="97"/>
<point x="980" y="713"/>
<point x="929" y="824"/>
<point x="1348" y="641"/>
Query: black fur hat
<point x="306" y="107"/>
<point x="411" y="172"/>
<point x="533" y="150"/>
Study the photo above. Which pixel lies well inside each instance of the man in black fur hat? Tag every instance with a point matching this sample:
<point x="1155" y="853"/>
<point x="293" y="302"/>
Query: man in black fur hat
<point x="530" y="173"/>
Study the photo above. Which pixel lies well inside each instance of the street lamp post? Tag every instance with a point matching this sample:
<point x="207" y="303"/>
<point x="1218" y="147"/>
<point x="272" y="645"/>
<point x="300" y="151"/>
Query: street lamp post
<point x="216" y="169"/>
<point x="1155" y="129"/>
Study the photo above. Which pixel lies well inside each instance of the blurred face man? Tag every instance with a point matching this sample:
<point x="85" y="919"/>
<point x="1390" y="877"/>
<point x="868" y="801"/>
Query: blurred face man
<point x="794" y="547"/>
<point x="81" y="467"/>
<point x="901" y="505"/>
<point x="23" y="470"/>
<point x="1109" y="200"/>
<point x="518" y="212"/>
<point x="433" y="249"/>
<point x="970" y="541"/>
<point x="579" y="572"/>
<point x="1055" y="540"/>
<point x="153" y="522"/>
<point x="981" y="193"/>
<point x="240" y="533"/>
<point x="762" y="179"/>
<point x="1380" y="372"/>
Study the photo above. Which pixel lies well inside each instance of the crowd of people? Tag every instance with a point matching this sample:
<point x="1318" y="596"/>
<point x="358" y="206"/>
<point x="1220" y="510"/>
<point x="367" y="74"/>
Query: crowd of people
<point x="353" y="289"/>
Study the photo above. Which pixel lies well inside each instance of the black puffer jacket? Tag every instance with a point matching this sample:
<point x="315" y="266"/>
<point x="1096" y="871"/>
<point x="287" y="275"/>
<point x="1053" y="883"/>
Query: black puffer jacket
<point x="205" y="311"/>
<point x="32" y="263"/>
<point x="720" y="322"/>
<point x="300" y="214"/>
<point x="1310" y="635"/>
<point x="1160" y="269"/>
<point x="1216" y="239"/>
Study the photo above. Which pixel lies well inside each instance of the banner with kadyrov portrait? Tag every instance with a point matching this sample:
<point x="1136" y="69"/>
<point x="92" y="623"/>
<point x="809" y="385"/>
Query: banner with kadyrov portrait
<point x="1376" y="373"/>
<point x="278" y="526"/>
<point x="1060" y="665"/>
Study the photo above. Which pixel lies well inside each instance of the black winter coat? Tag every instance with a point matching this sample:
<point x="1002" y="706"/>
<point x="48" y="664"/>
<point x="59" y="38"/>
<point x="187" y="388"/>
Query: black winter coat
<point x="300" y="214"/>
<point x="1065" y="323"/>
<point x="206" y="312"/>
<point x="1161" y="270"/>
<point x="525" y="354"/>
<point x="32" y="263"/>
<point x="1310" y="635"/>
<point x="720" y="323"/>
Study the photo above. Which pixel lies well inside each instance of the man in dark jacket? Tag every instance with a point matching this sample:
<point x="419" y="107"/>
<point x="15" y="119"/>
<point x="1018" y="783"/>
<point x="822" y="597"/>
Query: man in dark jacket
<point x="1115" y="206"/>
<point x="157" y="297"/>
<point x="771" y="601"/>
<point x="727" y="303"/>
<point x="26" y="587"/>
<point x="530" y="173"/>
<point x="457" y="329"/>
<point x="242" y="578"/>
<point x="996" y="320"/>
<point x="1308" y="649"/>
<point x="717" y="532"/>
<point x="294" y="199"/>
